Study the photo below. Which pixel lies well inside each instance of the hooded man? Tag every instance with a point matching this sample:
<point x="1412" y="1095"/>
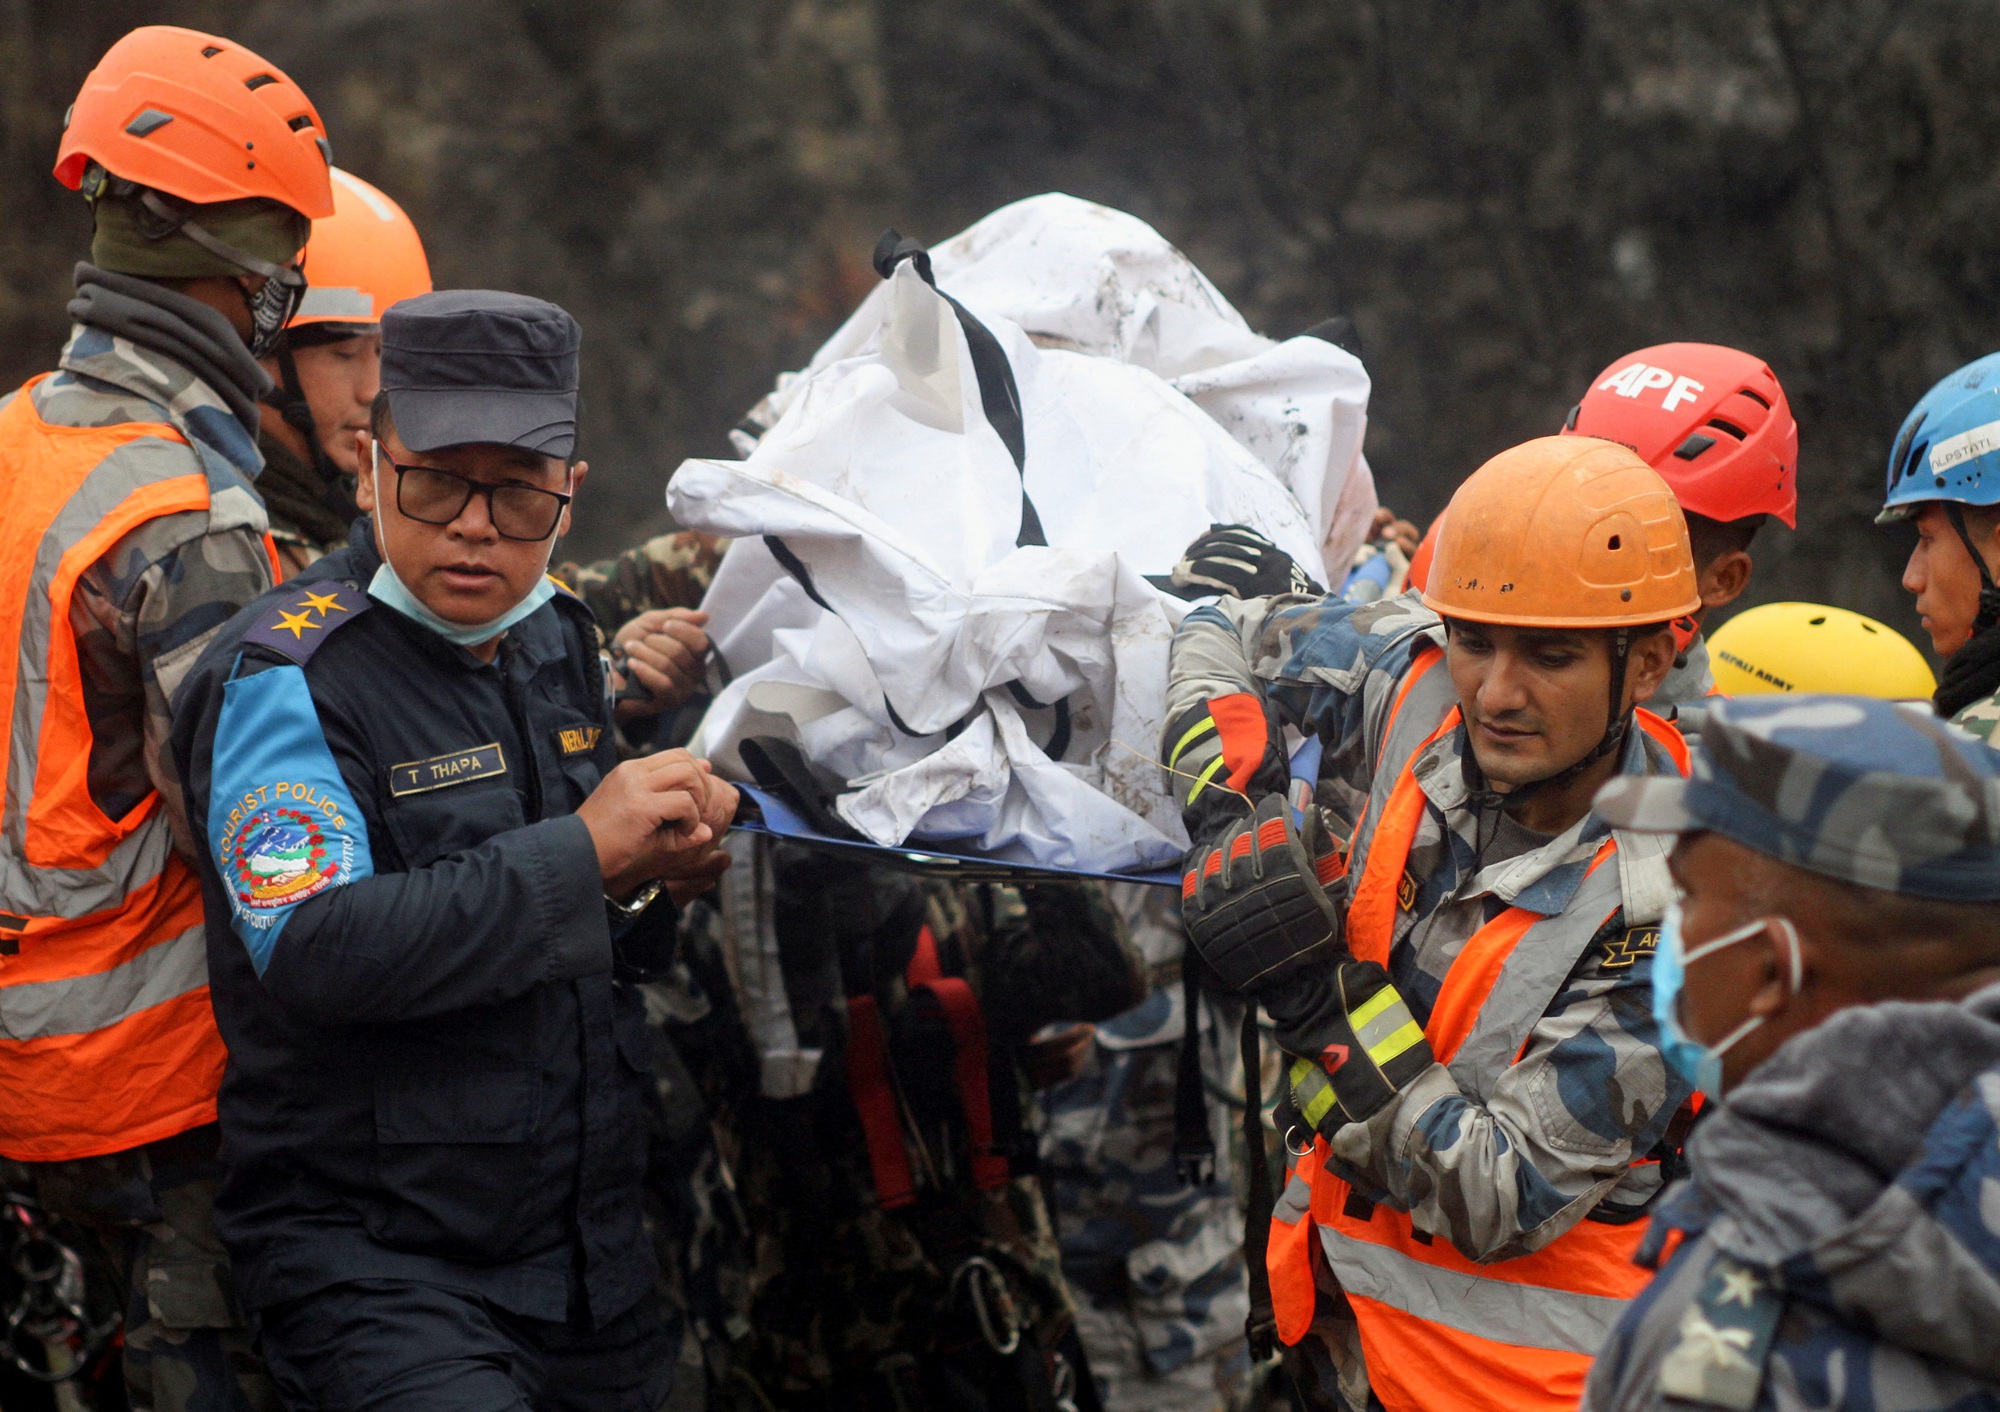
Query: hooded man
<point x="1831" y="978"/>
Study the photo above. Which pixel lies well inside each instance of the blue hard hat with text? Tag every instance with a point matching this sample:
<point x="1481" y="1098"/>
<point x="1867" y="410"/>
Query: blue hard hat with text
<point x="1949" y="445"/>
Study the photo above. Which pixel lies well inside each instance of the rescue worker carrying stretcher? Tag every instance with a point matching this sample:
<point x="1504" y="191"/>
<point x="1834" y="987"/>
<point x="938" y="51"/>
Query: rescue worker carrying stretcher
<point x="1466" y="987"/>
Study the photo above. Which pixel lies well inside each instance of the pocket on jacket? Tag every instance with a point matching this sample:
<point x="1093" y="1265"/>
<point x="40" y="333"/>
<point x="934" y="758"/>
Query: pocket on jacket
<point x="455" y="1160"/>
<point x="440" y="822"/>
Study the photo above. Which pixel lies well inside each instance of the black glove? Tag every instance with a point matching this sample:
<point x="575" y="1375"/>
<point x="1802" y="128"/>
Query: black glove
<point x="1355" y="1043"/>
<point x="1253" y="902"/>
<point x="1237" y="561"/>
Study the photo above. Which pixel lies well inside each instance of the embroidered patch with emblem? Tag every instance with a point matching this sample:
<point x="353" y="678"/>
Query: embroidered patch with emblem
<point x="1621" y="949"/>
<point x="1725" y="1336"/>
<point x="278" y="857"/>
<point x="296" y="625"/>
<point x="1406" y="893"/>
<point x="578" y="740"/>
<point x="459" y="767"/>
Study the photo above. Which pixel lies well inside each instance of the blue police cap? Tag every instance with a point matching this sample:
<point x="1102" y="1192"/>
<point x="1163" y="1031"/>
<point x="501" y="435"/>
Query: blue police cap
<point x="465" y="365"/>
<point x="1873" y="792"/>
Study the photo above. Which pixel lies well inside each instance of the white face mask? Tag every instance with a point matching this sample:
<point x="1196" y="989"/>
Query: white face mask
<point x="388" y="588"/>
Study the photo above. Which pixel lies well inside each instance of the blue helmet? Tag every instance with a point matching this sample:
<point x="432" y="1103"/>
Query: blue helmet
<point x="1949" y="447"/>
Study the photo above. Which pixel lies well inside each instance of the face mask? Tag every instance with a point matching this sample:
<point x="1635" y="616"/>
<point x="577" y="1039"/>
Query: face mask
<point x="1694" y="1061"/>
<point x="388" y="589"/>
<point x="271" y="308"/>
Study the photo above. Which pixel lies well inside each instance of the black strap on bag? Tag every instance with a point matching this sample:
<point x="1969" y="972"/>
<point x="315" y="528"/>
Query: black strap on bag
<point x="999" y="397"/>
<point x="1194" y="1144"/>
<point x="1261" y="1328"/>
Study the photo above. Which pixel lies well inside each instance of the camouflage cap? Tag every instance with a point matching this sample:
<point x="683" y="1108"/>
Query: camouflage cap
<point x="1873" y="792"/>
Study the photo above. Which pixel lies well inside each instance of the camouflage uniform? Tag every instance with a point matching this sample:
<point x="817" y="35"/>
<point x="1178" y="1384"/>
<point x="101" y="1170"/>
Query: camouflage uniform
<point x="142" y="614"/>
<point x="842" y="1303"/>
<point x="1981" y="718"/>
<point x="1839" y="1232"/>
<point x="1566" y="1129"/>
<point x="667" y="571"/>
<point x="1156" y="1264"/>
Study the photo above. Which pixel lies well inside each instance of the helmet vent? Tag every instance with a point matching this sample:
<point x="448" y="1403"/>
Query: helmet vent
<point x="148" y="122"/>
<point x="259" y="80"/>
<point x="1615" y="543"/>
<point x="1904" y="451"/>
<point x="299" y="123"/>
<point x="1574" y="412"/>
<point x="1730" y="427"/>
<point x="209" y="51"/>
<point x="1757" y="397"/>
<point x="1818" y="622"/>
<point x="1694" y="446"/>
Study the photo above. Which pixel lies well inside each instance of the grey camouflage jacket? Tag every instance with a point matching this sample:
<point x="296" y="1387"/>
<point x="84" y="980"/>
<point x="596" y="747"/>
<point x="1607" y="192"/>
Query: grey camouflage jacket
<point x="1840" y="1230"/>
<point x="145" y="609"/>
<point x="1566" y="1130"/>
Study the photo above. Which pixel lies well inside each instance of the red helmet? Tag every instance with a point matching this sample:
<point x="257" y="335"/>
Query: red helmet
<point x="1712" y="421"/>
<point x="199" y="117"/>
<point x="1419" y="576"/>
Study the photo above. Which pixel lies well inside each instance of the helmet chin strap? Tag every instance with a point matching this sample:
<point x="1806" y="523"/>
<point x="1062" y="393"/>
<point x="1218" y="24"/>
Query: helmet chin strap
<point x="289" y="397"/>
<point x="1989" y="595"/>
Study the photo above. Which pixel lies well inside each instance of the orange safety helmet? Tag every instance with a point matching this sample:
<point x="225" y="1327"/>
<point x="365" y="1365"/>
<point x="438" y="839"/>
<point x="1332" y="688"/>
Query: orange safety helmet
<point x="361" y="259"/>
<point x="1563" y="532"/>
<point x="201" y="118"/>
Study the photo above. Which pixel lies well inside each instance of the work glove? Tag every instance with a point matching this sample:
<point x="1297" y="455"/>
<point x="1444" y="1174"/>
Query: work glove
<point x="1354" y="1043"/>
<point x="1237" y="561"/>
<point x="1254" y="901"/>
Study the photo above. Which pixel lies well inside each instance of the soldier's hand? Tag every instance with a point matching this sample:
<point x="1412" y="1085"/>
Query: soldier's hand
<point x="691" y="873"/>
<point x="644" y="813"/>
<point x="1388" y="525"/>
<point x="661" y="654"/>
<point x="1254" y="901"/>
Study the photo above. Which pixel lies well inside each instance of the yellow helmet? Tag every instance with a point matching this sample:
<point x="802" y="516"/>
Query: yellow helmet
<point x="1815" y="647"/>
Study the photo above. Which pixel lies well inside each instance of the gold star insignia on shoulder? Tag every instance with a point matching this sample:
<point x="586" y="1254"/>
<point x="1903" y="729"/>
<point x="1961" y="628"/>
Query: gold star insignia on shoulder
<point x="294" y="623"/>
<point x="322" y="602"/>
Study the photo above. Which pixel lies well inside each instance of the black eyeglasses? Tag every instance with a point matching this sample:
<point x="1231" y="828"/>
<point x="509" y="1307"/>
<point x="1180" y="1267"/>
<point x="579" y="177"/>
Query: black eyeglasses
<point x="434" y="497"/>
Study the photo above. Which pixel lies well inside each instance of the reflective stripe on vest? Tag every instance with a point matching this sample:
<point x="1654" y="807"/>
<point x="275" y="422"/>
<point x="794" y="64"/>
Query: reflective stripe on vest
<point x="1439" y="1330"/>
<point x="106" y="1037"/>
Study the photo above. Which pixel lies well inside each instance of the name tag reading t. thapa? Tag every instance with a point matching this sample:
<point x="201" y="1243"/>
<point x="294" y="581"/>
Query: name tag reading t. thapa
<point x="459" y="767"/>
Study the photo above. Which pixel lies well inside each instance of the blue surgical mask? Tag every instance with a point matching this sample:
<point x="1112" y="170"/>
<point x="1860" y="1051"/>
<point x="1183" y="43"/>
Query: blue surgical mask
<point x="390" y="591"/>
<point x="1698" y="1063"/>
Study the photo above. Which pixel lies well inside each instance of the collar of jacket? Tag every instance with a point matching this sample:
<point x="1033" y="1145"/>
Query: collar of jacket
<point x="534" y="642"/>
<point x="1545" y="879"/>
<point x="173" y="351"/>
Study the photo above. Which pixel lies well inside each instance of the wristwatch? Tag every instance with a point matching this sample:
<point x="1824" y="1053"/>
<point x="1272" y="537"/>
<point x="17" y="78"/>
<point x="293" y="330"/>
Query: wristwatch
<point x="639" y="902"/>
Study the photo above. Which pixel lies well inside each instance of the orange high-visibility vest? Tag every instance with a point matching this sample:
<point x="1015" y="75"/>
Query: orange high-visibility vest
<point x="107" y="1040"/>
<point x="1442" y="1333"/>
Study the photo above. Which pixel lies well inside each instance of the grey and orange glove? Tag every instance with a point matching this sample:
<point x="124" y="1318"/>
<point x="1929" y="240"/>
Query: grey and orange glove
<point x="1354" y="1043"/>
<point x="1254" y="901"/>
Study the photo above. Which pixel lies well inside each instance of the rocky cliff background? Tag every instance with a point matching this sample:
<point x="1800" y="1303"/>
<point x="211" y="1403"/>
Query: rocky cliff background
<point x="1504" y="195"/>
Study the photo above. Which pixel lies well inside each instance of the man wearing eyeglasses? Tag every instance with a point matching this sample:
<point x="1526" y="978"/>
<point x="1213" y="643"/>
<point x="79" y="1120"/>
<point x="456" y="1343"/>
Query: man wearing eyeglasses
<point x="429" y="885"/>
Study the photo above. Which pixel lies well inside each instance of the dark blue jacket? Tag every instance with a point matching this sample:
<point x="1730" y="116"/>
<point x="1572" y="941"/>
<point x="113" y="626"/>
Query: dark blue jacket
<point x="436" y="1069"/>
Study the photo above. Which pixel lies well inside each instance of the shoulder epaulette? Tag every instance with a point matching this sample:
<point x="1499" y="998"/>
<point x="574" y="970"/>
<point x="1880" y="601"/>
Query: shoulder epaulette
<point x="296" y="622"/>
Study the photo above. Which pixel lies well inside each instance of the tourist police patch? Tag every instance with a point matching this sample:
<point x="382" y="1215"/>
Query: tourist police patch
<point x="459" y="767"/>
<point x="301" y="620"/>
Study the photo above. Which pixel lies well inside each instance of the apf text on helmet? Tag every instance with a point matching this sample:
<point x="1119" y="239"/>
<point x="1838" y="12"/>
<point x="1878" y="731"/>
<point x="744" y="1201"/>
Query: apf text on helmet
<point x="1636" y="378"/>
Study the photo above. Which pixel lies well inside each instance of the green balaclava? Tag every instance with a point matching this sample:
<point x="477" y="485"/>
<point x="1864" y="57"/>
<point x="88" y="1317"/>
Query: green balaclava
<point x="149" y="235"/>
